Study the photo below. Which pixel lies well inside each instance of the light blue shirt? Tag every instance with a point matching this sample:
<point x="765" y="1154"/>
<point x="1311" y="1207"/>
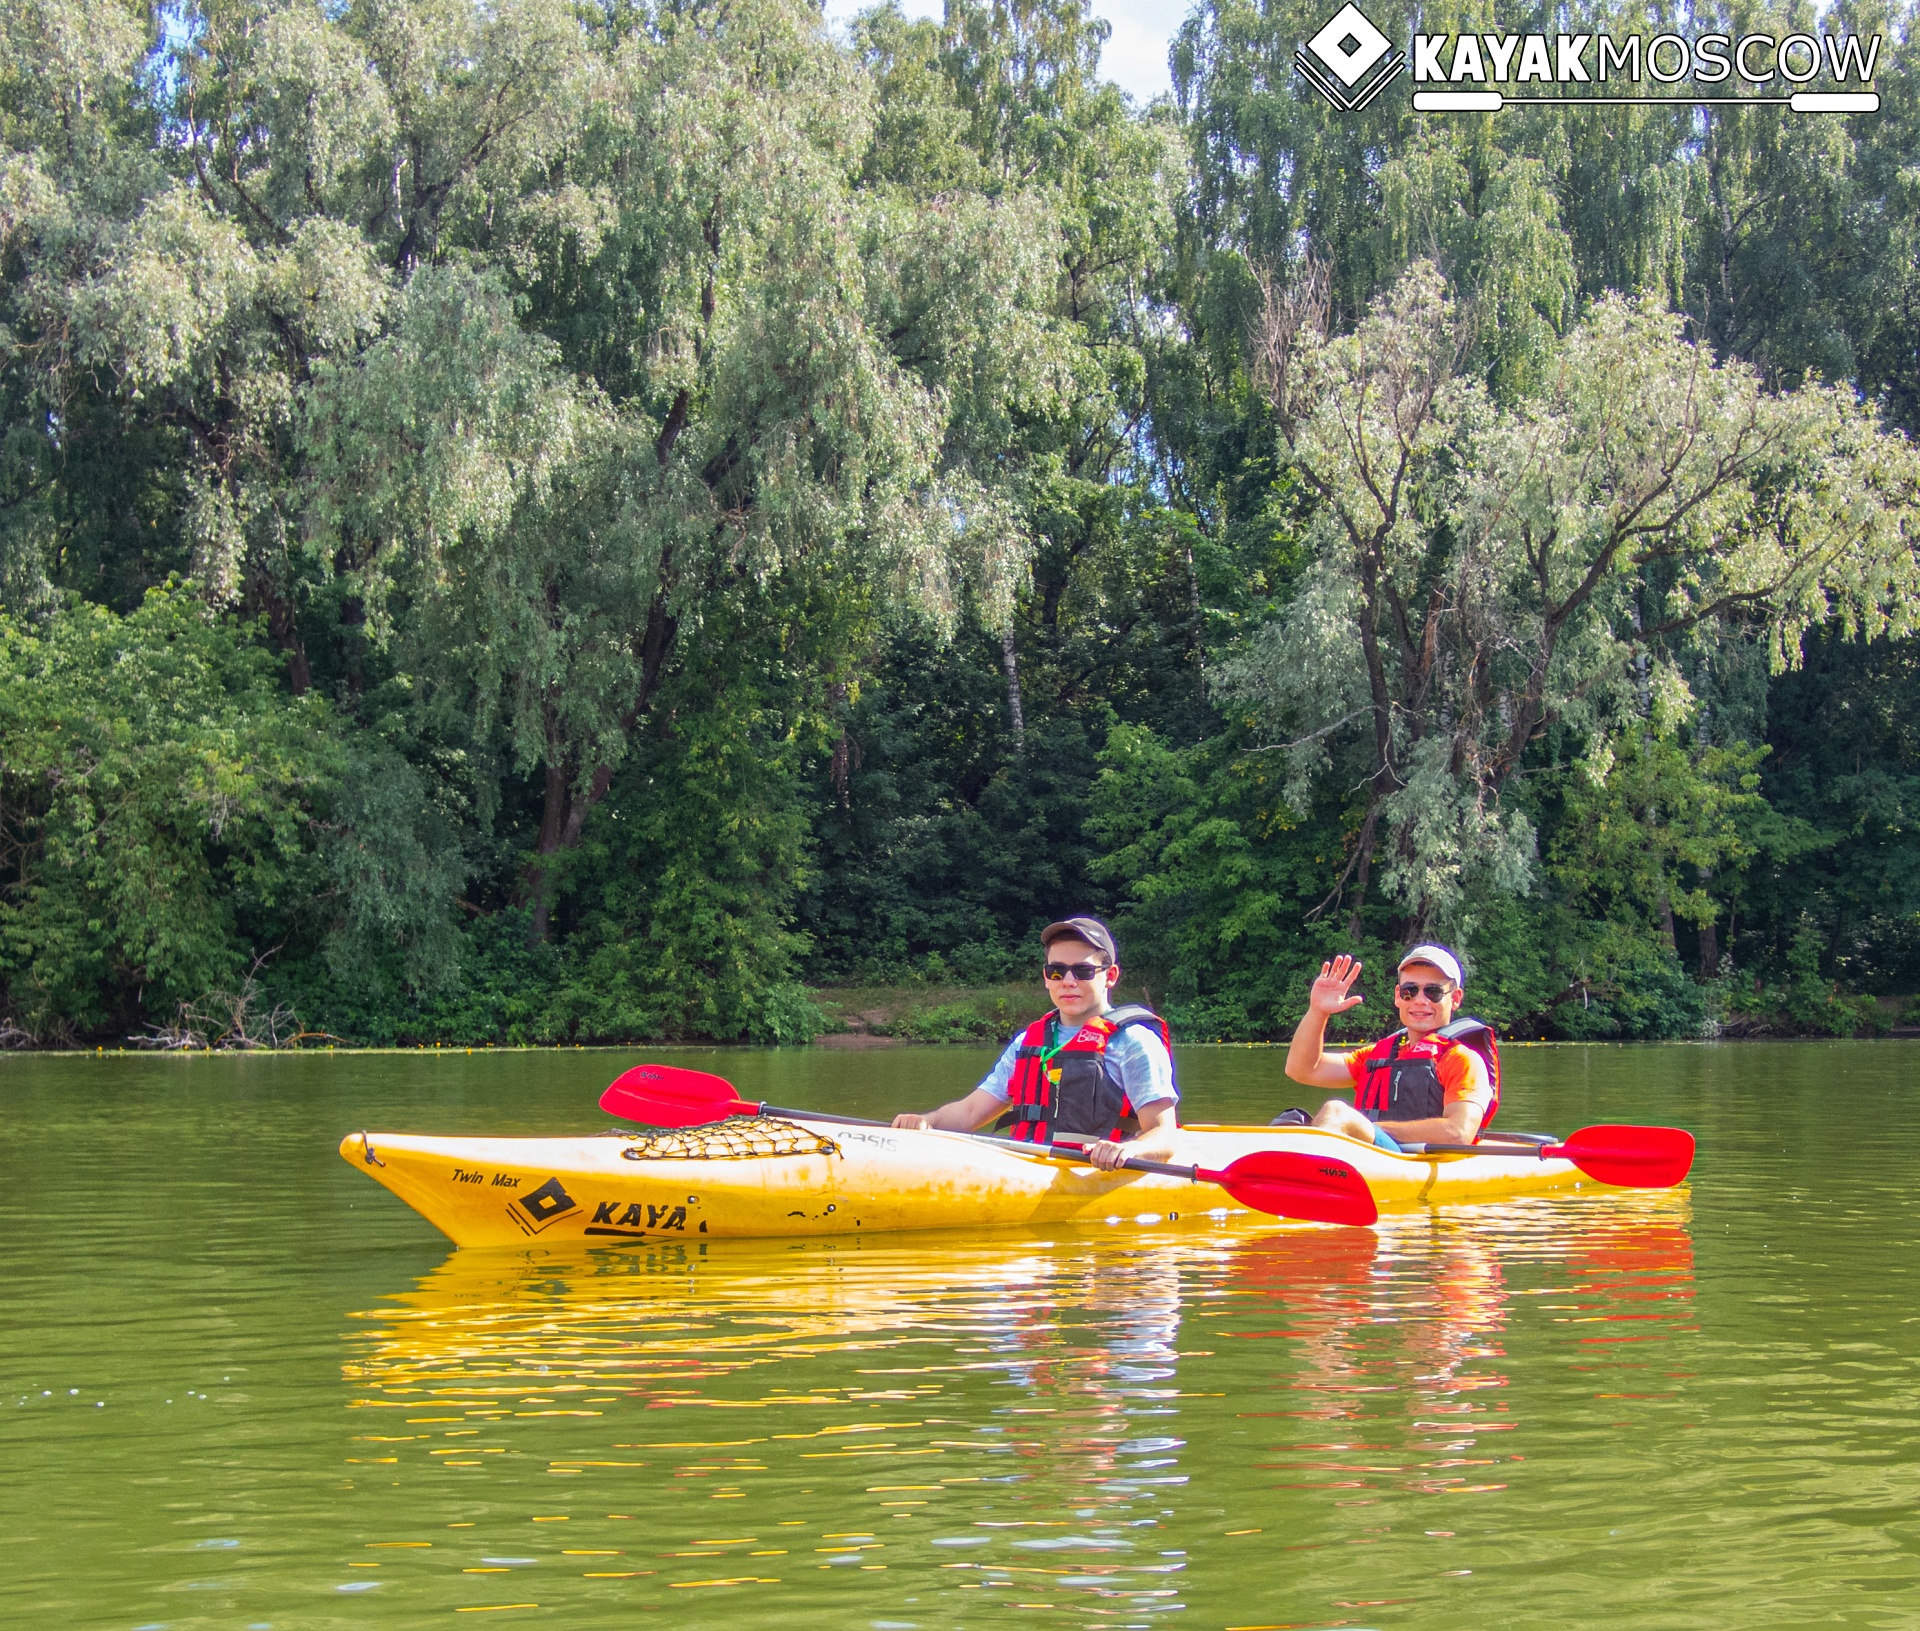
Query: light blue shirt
<point x="1145" y="1066"/>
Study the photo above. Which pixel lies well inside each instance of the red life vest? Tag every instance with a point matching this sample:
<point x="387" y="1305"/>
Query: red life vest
<point x="1402" y="1080"/>
<point x="1078" y="1090"/>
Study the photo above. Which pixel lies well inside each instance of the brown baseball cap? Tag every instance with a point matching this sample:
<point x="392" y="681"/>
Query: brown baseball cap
<point x="1088" y="929"/>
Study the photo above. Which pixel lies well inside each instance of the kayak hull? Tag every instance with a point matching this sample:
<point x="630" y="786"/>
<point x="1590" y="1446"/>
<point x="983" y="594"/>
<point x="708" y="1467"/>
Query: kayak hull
<point x="821" y="1178"/>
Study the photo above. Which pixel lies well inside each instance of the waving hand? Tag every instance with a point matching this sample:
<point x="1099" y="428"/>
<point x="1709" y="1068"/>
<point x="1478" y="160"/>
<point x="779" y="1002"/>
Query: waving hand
<point x="1332" y="992"/>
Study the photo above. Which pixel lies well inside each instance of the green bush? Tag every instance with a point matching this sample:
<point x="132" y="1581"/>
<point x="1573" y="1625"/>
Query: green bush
<point x="165" y="802"/>
<point x="972" y="1019"/>
<point x="785" y="1015"/>
<point x="1815" y="1003"/>
<point x="1645" y="998"/>
<point x="1807" y="1002"/>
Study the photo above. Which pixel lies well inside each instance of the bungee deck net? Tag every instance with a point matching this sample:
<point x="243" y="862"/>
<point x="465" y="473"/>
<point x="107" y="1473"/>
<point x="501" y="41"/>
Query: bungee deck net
<point x="738" y="1138"/>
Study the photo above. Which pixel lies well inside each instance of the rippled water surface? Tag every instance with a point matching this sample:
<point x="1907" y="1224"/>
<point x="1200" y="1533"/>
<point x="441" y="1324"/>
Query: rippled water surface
<point x="244" y="1387"/>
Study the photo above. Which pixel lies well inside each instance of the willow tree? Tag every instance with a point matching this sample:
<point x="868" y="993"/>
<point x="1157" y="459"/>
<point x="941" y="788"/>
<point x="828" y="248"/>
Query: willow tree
<point x="739" y="366"/>
<point x="1483" y="572"/>
<point x="997" y="111"/>
<point x="477" y="349"/>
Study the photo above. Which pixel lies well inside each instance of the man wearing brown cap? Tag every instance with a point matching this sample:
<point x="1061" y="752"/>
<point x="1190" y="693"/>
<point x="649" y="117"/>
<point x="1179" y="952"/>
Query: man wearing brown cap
<point x="1087" y="1072"/>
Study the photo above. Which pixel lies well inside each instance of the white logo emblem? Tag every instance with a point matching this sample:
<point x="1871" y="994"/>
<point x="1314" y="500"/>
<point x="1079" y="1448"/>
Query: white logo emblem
<point x="1353" y="52"/>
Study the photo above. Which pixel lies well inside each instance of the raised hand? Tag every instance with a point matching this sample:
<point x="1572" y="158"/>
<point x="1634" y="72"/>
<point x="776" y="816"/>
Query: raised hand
<point x="1331" y="992"/>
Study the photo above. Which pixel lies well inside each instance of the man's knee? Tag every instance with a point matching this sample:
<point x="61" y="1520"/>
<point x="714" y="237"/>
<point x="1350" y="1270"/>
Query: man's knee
<point x="1334" y="1114"/>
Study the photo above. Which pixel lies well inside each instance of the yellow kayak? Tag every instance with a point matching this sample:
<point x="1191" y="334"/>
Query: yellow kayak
<point x="762" y="1176"/>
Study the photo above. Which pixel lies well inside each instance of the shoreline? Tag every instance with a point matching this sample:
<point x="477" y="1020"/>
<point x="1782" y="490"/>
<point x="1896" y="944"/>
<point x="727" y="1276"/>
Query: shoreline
<point x="860" y="1018"/>
<point x="842" y="1042"/>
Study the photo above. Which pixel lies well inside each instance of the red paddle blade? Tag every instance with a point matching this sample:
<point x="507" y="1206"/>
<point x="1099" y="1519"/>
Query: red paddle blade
<point x="1631" y="1157"/>
<point x="1291" y="1184"/>
<point x="668" y="1096"/>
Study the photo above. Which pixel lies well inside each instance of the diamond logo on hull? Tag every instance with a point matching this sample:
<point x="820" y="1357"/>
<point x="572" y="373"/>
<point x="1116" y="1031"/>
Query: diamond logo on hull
<point x="537" y="1208"/>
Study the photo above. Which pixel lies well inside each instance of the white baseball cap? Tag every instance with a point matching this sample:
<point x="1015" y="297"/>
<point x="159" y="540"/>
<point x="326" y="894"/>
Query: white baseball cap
<point x="1440" y="958"/>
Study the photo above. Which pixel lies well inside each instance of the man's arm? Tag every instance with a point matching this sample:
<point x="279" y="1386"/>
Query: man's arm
<point x="974" y="1111"/>
<point x="1464" y="1075"/>
<point x="1308" y="1061"/>
<point x="956" y="1116"/>
<point x="1146" y="1071"/>
<point x="1159" y="1122"/>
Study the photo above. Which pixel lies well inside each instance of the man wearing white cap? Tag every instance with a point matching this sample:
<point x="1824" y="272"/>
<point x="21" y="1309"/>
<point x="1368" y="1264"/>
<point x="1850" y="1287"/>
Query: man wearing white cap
<point x="1436" y="1081"/>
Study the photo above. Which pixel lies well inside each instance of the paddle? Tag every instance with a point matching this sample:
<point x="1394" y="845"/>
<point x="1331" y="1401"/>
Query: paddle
<point x="668" y="1096"/>
<point x="1286" y="1183"/>
<point x="1629" y="1157"/>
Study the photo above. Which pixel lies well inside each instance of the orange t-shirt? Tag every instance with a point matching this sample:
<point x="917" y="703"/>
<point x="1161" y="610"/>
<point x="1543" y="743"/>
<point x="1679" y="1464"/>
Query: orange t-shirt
<point x="1462" y="1072"/>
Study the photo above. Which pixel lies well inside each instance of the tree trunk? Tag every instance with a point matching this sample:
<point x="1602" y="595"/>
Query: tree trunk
<point x="564" y="811"/>
<point x="1386" y="777"/>
<point x="553" y="824"/>
<point x="1709" y="951"/>
<point x="1709" y="937"/>
<point x="285" y="632"/>
<point x="353" y="618"/>
<point x="1010" y="661"/>
<point x="299" y="671"/>
<point x="1198" y="628"/>
<point x="842" y="747"/>
<point x="1364" y="867"/>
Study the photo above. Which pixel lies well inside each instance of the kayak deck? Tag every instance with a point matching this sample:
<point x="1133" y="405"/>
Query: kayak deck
<point x="754" y="1178"/>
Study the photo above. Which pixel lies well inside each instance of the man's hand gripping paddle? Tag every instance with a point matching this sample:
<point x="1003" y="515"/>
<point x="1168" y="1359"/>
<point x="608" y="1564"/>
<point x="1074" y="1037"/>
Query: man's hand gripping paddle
<point x="1628" y="1157"/>
<point x="1286" y="1183"/>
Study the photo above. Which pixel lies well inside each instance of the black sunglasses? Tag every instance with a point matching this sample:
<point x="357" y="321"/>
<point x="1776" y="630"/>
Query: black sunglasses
<point x="1434" y="992"/>
<point x="1080" y="971"/>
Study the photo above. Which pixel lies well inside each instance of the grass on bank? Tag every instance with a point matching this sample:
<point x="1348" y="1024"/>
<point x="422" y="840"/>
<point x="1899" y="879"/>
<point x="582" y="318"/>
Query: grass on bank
<point x="928" y="1013"/>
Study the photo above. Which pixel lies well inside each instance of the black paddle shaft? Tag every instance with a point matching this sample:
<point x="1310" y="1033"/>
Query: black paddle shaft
<point x="1060" y="1152"/>
<point x="812" y="1115"/>
<point x="1191" y="1174"/>
<point x="1543" y="1151"/>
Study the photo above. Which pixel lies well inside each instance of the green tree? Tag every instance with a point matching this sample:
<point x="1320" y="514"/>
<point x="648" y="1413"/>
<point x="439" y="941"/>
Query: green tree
<point x="1485" y="571"/>
<point x="1647" y="823"/>
<point x="173" y="816"/>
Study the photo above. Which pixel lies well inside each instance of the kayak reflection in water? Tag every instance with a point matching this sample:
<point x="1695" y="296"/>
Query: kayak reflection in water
<point x="1437" y="1080"/>
<point x="1086" y="1070"/>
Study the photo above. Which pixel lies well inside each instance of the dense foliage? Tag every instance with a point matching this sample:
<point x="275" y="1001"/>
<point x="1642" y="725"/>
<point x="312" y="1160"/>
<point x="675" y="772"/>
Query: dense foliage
<point x="576" y="522"/>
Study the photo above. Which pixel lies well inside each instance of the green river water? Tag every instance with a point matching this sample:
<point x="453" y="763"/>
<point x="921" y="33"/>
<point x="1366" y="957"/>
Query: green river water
<point x="245" y="1387"/>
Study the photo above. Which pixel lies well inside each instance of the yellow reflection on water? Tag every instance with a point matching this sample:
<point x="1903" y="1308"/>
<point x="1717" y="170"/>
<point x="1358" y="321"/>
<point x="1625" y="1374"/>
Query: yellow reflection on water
<point x="912" y="1419"/>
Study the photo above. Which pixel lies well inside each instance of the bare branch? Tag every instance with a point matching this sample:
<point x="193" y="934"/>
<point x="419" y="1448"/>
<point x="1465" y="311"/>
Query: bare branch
<point x="1293" y="313"/>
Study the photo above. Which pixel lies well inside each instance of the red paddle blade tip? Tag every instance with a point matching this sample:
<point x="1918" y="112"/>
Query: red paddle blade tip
<point x="1630" y="1157"/>
<point x="668" y="1096"/>
<point x="1294" y="1184"/>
